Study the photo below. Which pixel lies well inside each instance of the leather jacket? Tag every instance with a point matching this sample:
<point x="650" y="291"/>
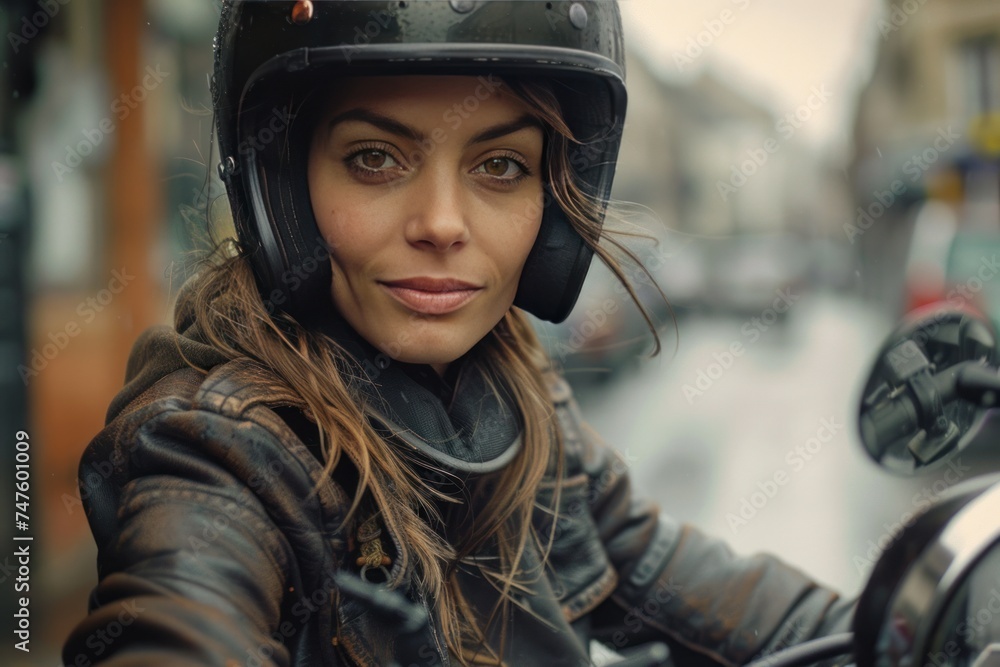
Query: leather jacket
<point x="214" y="548"/>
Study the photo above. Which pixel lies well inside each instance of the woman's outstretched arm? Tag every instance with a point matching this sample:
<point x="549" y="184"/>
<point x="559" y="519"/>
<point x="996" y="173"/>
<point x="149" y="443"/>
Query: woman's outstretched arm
<point x="199" y="518"/>
<point x="678" y="584"/>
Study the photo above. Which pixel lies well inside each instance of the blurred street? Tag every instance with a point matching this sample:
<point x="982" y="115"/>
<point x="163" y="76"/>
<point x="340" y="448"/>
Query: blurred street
<point x="714" y="460"/>
<point x="810" y="172"/>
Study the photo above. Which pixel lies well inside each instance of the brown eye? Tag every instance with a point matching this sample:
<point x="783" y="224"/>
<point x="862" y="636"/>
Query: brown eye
<point x="497" y="166"/>
<point x="502" y="167"/>
<point x="374" y="159"/>
<point x="370" y="161"/>
<point x="372" y="164"/>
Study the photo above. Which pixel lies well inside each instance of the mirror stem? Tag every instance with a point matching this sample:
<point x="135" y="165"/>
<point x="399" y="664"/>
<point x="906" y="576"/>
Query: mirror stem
<point x="978" y="384"/>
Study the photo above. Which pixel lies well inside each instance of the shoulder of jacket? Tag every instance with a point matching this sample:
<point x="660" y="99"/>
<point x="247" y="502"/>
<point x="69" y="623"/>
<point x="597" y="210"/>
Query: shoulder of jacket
<point x="226" y="405"/>
<point x="235" y="387"/>
<point x="231" y="389"/>
<point x="222" y="421"/>
<point x="240" y="389"/>
<point x="581" y="444"/>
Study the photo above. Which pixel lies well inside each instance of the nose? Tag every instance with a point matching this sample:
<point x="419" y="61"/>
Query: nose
<point x="437" y="215"/>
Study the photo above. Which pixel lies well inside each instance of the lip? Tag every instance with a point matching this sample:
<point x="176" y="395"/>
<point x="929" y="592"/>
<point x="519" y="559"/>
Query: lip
<point x="431" y="296"/>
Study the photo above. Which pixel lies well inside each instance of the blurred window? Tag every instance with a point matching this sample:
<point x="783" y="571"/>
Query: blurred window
<point x="981" y="75"/>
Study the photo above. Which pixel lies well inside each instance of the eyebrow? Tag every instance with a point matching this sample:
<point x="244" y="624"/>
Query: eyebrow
<point x="393" y="126"/>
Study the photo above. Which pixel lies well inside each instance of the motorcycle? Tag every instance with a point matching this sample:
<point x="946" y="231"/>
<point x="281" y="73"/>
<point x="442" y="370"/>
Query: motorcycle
<point x="933" y="598"/>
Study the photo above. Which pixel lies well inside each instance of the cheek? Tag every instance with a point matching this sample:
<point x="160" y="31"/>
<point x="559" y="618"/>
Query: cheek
<point x="352" y="246"/>
<point x="511" y="240"/>
<point x="334" y="225"/>
<point x="351" y="227"/>
<point x="335" y="206"/>
<point x="510" y="253"/>
<point x="523" y="237"/>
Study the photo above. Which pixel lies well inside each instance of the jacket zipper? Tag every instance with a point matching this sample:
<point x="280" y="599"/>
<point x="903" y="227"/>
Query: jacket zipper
<point x="442" y="653"/>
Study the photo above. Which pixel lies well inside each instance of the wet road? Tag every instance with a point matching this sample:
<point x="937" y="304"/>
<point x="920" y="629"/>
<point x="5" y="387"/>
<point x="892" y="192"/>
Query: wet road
<point x="760" y="447"/>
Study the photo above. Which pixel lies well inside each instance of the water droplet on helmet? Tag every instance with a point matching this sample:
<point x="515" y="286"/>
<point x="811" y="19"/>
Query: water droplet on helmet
<point x="462" y="6"/>
<point x="578" y="16"/>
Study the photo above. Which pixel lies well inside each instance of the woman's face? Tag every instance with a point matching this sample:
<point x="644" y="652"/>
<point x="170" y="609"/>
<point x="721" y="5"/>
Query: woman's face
<point x="428" y="191"/>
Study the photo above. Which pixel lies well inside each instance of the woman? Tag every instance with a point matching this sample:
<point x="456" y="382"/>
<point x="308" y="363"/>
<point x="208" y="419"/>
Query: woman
<point x="358" y="390"/>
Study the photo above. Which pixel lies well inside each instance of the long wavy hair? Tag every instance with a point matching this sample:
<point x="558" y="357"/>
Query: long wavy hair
<point x="232" y="317"/>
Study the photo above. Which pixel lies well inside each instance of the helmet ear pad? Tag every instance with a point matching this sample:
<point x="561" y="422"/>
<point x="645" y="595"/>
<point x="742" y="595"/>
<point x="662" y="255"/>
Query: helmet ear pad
<point x="559" y="261"/>
<point x="289" y="256"/>
<point x="556" y="266"/>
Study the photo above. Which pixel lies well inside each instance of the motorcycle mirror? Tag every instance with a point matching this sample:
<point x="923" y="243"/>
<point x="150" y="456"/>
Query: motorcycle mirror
<point x="924" y="398"/>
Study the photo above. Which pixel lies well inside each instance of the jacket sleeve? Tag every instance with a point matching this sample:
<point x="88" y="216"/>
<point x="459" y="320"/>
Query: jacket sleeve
<point x="192" y="569"/>
<point x="679" y="585"/>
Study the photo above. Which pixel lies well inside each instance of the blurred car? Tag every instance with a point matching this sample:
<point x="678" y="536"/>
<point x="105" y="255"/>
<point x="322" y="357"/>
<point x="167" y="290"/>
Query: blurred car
<point x="749" y="273"/>
<point x="832" y="264"/>
<point x="602" y="337"/>
<point x="934" y="229"/>
<point x="949" y="264"/>
<point x="682" y="271"/>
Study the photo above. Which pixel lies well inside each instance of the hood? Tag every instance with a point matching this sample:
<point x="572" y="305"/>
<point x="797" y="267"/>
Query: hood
<point x="158" y="352"/>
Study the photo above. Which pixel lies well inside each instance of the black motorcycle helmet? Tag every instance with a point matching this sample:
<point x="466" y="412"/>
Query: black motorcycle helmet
<point x="270" y="55"/>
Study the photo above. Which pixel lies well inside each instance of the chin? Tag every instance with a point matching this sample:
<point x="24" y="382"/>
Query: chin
<point x="442" y="343"/>
<point x="431" y="354"/>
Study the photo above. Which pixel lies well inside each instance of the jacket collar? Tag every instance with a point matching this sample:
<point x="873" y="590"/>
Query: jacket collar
<point x="458" y="422"/>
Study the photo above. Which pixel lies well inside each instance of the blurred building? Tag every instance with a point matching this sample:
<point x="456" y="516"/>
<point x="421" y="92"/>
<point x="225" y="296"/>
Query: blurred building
<point x="715" y="157"/>
<point x="927" y="139"/>
<point x="111" y="147"/>
<point x="740" y="207"/>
